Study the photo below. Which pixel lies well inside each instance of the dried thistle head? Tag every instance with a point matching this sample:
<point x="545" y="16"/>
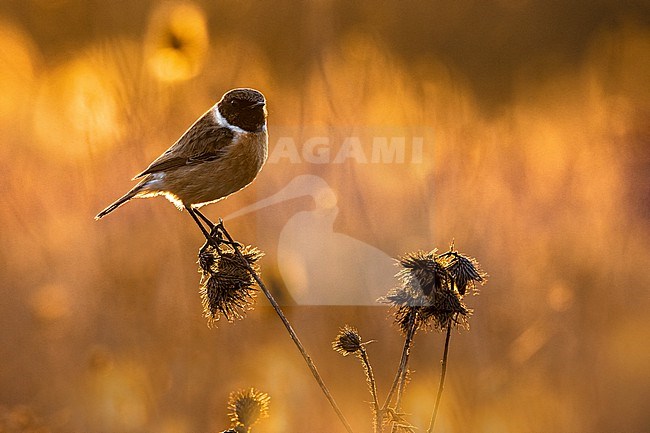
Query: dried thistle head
<point x="246" y="407"/>
<point x="447" y="309"/>
<point x="465" y="271"/>
<point x="426" y="295"/>
<point x="227" y="286"/>
<point x="207" y="259"/>
<point x="422" y="272"/>
<point x="407" y="303"/>
<point x="348" y="341"/>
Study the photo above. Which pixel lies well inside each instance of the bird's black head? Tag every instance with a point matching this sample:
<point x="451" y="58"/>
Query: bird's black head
<point x="244" y="108"/>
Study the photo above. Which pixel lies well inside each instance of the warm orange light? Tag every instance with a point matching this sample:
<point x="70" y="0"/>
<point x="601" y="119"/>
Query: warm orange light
<point x="176" y="41"/>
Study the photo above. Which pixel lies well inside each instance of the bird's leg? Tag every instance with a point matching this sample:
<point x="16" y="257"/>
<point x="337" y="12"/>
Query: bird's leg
<point x="208" y="236"/>
<point x="215" y="237"/>
<point x="217" y="229"/>
<point x="222" y="231"/>
<point x="205" y="219"/>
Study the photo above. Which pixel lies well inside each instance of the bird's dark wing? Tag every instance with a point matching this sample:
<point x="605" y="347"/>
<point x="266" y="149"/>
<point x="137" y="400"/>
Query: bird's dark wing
<point x="204" y="141"/>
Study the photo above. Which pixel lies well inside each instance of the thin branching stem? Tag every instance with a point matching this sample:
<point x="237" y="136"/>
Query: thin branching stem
<point x="373" y="388"/>
<point x="401" y="384"/>
<point x="400" y="389"/>
<point x="406" y="350"/>
<point x="441" y="385"/>
<point x="292" y="333"/>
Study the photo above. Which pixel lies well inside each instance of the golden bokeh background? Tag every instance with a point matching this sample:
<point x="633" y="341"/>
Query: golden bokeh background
<point x="537" y="163"/>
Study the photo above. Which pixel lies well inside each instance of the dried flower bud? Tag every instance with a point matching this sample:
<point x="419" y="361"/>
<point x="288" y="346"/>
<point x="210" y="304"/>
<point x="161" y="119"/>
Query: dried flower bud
<point x="447" y="308"/>
<point x="422" y="272"/>
<point x="246" y="407"/>
<point x="348" y="341"/>
<point x="207" y="258"/>
<point x="426" y="296"/>
<point x="464" y="271"/>
<point x="227" y="286"/>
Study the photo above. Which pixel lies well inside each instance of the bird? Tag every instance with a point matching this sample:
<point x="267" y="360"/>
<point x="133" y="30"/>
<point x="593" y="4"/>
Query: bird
<point x="221" y="153"/>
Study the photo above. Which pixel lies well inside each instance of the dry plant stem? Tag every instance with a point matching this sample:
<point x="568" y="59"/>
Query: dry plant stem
<point x="287" y="325"/>
<point x="442" y="379"/>
<point x="402" y="383"/>
<point x="373" y="389"/>
<point x="401" y="371"/>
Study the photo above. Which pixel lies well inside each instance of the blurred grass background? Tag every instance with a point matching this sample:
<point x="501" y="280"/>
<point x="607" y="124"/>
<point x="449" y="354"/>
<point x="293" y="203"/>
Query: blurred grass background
<point x="539" y="167"/>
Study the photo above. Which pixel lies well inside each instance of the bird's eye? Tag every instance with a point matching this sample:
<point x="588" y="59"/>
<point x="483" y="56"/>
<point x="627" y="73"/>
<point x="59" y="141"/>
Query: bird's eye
<point x="237" y="103"/>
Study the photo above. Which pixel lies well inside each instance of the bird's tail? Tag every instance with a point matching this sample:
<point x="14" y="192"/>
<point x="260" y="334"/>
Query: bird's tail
<point x="119" y="202"/>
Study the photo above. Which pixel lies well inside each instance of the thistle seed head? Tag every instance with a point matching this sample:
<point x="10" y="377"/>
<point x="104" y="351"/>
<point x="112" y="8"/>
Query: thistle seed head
<point x="422" y="272"/>
<point x="207" y="258"/>
<point x="465" y="272"/>
<point x="227" y="286"/>
<point x="431" y="289"/>
<point x="246" y="407"/>
<point x="348" y="341"/>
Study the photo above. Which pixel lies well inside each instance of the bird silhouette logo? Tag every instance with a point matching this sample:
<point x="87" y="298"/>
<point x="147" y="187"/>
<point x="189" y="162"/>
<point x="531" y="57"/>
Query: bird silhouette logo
<point x="318" y="265"/>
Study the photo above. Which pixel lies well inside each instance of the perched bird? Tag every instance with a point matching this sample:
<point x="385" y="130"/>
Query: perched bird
<point x="221" y="153"/>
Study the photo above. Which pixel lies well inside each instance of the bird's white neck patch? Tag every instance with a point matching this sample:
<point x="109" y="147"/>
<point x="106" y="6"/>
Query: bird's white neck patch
<point x="221" y="121"/>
